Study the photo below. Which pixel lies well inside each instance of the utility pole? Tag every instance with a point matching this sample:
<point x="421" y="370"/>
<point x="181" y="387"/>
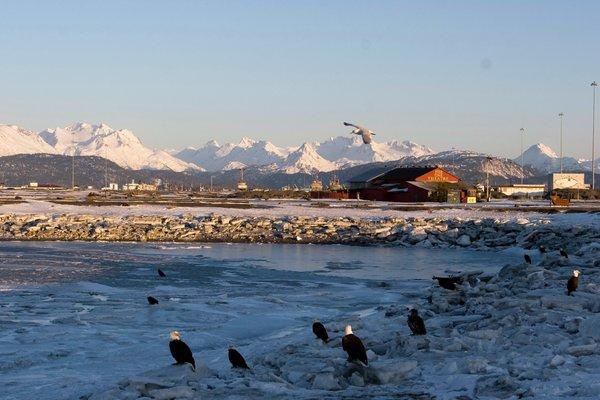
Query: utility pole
<point x="211" y="183"/>
<point x="73" y="162"/>
<point x="594" y="85"/>
<point x="522" y="165"/>
<point x="487" y="177"/>
<point x="106" y="168"/>
<point x="561" y="115"/>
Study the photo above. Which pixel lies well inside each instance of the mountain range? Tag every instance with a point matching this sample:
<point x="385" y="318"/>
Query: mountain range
<point x="310" y="157"/>
<point x="126" y="150"/>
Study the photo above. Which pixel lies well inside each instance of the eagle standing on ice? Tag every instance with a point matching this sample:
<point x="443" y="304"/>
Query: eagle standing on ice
<point x="415" y="323"/>
<point x="573" y="282"/>
<point x="320" y="332"/>
<point x="236" y="359"/>
<point x="354" y="347"/>
<point x="181" y="351"/>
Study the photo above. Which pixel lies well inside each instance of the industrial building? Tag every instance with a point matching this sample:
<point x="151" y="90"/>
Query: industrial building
<point x="402" y="184"/>
<point x="570" y="180"/>
<point x="523" y="189"/>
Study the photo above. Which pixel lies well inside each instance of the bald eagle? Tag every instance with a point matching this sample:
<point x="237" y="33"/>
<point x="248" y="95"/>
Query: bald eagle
<point x="236" y="359"/>
<point x="415" y="323"/>
<point x="181" y="351"/>
<point x="320" y="332"/>
<point x="354" y="347"/>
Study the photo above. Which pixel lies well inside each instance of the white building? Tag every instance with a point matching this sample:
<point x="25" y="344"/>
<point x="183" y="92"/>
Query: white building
<point x="567" y="181"/>
<point x="525" y="189"/>
<point x="111" y="186"/>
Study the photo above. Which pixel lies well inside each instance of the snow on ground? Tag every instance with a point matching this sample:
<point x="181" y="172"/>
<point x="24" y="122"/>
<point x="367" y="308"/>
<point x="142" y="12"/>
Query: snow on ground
<point x="75" y="320"/>
<point x="283" y="208"/>
<point x="514" y="334"/>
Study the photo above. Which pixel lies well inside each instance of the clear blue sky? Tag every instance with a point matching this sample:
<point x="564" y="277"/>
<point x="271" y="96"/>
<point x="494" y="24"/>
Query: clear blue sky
<point x="446" y="73"/>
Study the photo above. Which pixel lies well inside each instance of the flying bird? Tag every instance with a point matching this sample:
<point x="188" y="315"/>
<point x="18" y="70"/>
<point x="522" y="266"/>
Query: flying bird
<point x="320" y="332"/>
<point x="448" y="282"/>
<point x="161" y="273"/>
<point x="564" y="253"/>
<point x="363" y="132"/>
<point x="181" y="351"/>
<point x="527" y="258"/>
<point x="152" y="300"/>
<point x="236" y="359"/>
<point x="573" y="282"/>
<point x="354" y="347"/>
<point x="415" y="323"/>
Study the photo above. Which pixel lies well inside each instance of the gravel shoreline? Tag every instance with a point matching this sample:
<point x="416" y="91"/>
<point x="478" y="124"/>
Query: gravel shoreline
<point x="481" y="234"/>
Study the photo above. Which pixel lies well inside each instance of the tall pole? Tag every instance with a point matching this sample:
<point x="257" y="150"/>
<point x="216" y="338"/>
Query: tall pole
<point x="522" y="165"/>
<point x="487" y="177"/>
<point x="561" y="115"/>
<point x="594" y="84"/>
<point x="211" y="183"/>
<point x="73" y="163"/>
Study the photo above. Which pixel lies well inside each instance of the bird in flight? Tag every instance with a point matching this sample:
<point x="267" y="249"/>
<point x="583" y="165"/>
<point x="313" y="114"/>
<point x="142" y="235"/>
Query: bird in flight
<point x="364" y="132"/>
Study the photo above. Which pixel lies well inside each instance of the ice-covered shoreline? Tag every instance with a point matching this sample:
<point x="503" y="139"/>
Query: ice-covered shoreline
<point x="512" y="334"/>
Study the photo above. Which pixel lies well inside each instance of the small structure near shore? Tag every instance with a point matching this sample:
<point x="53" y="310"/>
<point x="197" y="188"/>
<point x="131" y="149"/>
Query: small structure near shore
<point x="523" y="189"/>
<point x="402" y="184"/>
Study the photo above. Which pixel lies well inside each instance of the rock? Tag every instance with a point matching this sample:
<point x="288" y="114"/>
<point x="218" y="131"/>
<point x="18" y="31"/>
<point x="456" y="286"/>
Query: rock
<point x="583" y="350"/>
<point x="477" y="365"/>
<point x="393" y="371"/>
<point x="326" y="381"/>
<point x="356" y="380"/>
<point x="463" y="240"/>
<point x="177" y="392"/>
<point x="556" y="361"/>
<point x="497" y="387"/>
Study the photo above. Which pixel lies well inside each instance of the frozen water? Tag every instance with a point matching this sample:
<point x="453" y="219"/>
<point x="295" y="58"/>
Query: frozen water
<point x="75" y="321"/>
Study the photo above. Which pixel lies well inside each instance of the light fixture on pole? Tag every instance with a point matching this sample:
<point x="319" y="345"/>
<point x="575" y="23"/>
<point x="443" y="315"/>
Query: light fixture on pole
<point x="561" y="115"/>
<point x="594" y="84"/>
<point x="522" y="165"/>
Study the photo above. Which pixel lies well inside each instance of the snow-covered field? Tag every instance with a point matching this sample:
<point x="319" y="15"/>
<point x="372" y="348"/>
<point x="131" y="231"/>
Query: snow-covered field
<point x="75" y="321"/>
<point x="336" y="209"/>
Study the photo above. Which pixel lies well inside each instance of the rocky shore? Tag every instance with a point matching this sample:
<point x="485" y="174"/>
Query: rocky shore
<point x="486" y="233"/>
<point x="506" y="335"/>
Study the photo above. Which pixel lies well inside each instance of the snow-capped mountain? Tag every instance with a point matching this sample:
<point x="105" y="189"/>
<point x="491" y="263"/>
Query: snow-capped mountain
<point x="306" y="159"/>
<point x="348" y="151"/>
<point x="475" y="163"/>
<point x="215" y="157"/>
<point x="323" y="156"/>
<point x="16" y="140"/>
<point x="120" y="146"/>
<point x="544" y="159"/>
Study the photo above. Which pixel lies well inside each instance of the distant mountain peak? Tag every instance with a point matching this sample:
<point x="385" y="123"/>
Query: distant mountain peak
<point x="121" y="146"/>
<point x="246" y="142"/>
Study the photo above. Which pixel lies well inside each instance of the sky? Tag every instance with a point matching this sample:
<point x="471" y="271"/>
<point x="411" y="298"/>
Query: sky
<point x="464" y="74"/>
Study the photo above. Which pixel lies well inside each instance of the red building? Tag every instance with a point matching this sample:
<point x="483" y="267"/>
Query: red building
<point x="402" y="184"/>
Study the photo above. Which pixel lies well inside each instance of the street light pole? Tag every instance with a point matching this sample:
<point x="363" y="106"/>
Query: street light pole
<point x="522" y="165"/>
<point x="561" y="115"/>
<point x="594" y="84"/>
<point x="487" y="177"/>
<point x="73" y="163"/>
